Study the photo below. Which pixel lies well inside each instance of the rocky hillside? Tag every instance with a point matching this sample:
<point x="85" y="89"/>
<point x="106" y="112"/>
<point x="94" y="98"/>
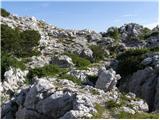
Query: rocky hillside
<point x="49" y="72"/>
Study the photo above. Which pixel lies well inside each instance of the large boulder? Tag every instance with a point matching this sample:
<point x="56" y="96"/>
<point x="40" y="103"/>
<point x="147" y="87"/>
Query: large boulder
<point x="88" y="53"/>
<point x="107" y="79"/>
<point x="144" y="83"/>
<point x="42" y="101"/>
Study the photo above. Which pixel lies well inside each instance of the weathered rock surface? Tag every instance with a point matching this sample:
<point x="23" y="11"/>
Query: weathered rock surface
<point x="144" y="84"/>
<point x="45" y="99"/>
<point x="62" y="61"/>
<point x="107" y="79"/>
<point x="13" y="79"/>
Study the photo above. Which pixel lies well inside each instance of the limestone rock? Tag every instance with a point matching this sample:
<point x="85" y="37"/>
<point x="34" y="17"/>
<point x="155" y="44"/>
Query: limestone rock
<point x="107" y="79"/>
<point x="62" y="61"/>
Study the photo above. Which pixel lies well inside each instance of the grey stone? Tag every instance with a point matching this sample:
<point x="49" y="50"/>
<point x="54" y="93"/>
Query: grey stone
<point x="107" y="79"/>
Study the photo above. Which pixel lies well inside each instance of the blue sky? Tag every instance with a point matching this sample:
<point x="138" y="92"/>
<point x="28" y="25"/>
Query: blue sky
<point x="97" y="16"/>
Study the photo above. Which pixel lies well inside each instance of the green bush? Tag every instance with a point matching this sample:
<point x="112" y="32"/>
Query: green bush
<point x="4" y="13"/>
<point x="7" y="61"/>
<point x="81" y="63"/>
<point x="71" y="78"/>
<point x="10" y="39"/>
<point x="129" y="61"/>
<point x="98" y="53"/>
<point x="145" y="34"/>
<point x="30" y="39"/>
<point x="47" y="70"/>
<point x="20" y="44"/>
<point x="114" y="34"/>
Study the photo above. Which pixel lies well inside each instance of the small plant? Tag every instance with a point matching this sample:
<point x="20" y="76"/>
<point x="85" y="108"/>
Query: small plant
<point x="81" y="63"/>
<point x="4" y="13"/>
<point x="71" y="78"/>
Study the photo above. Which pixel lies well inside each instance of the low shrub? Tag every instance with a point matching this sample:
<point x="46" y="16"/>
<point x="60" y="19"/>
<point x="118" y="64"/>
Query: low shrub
<point x="145" y="34"/>
<point x="47" y="70"/>
<point x="98" y="53"/>
<point x="4" y="13"/>
<point x="114" y="33"/>
<point x="20" y="44"/>
<point x="80" y="63"/>
<point x="129" y="61"/>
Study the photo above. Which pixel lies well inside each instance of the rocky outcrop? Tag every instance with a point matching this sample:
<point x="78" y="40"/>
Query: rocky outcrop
<point x="131" y="29"/>
<point x="107" y="79"/>
<point x="51" y="98"/>
<point x="13" y="79"/>
<point x="144" y="84"/>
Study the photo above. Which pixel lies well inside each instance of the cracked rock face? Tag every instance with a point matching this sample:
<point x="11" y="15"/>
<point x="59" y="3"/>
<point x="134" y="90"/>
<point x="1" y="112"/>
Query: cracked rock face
<point x="107" y="79"/>
<point x="13" y="79"/>
<point x="144" y="84"/>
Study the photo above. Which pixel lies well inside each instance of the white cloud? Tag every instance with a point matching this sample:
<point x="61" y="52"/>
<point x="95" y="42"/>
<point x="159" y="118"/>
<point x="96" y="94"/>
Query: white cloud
<point x="151" y="25"/>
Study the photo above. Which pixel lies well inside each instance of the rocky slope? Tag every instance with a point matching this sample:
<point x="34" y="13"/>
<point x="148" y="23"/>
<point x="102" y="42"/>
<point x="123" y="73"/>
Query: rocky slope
<point x="83" y="74"/>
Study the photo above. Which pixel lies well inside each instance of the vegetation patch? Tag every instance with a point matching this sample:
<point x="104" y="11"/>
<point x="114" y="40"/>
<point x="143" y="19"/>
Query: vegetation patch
<point x="112" y="104"/>
<point x="129" y="61"/>
<point x="100" y="110"/>
<point x="80" y="63"/>
<point x="71" y="78"/>
<point x="7" y="61"/>
<point x="4" y="13"/>
<point x="19" y="44"/>
<point x="47" y="70"/>
<point x="98" y="53"/>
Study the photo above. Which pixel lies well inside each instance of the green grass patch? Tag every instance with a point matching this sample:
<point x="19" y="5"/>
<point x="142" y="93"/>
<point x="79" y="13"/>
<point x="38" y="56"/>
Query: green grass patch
<point x="100" y="110"/>
<point x="80" y="63"/>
